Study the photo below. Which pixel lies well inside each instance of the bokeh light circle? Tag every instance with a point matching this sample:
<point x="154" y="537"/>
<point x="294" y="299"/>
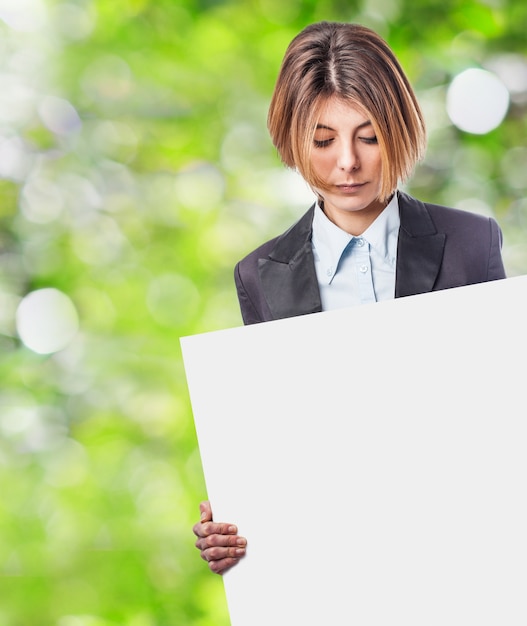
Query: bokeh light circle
<point x="46" y="320"/>
<point x="477" y="101"/>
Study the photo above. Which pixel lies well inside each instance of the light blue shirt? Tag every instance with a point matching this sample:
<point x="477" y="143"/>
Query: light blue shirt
<point x="356" y="270"/>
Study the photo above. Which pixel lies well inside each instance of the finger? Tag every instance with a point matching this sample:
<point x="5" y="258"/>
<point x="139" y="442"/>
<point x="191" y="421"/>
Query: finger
<point x="221" y="541"/>
<point x="205" y="511"/>
<point x="220" y="567"/>
<point x="220" y="554"/>
<point x="204" y="529"/>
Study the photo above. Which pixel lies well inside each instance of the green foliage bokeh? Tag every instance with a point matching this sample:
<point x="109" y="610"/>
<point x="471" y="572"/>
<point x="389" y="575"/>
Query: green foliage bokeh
<point x="137" y="207"/>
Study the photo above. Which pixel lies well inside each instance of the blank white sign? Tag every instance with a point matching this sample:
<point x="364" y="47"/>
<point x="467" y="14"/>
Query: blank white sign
<point x="375" y="458"/>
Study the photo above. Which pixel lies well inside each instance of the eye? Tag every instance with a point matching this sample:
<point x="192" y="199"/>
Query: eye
<point x="322" y="143"/>
<point x="369" y="140"/>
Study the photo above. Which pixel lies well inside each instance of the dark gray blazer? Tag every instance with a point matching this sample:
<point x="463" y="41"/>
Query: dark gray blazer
<point x="438" y="248"/>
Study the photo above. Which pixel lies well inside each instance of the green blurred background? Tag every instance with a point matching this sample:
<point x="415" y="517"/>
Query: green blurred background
<point x="135" y="170"/>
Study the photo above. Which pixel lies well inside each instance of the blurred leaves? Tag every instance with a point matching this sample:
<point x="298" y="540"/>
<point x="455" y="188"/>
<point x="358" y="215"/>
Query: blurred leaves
<point x="135" y="170"/>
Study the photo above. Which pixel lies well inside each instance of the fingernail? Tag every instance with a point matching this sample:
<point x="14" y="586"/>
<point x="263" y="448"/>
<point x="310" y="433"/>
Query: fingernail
<point x="233" y="530"/>
<point x="240" y="551"/>
<point x="241" y="542"/>
<point x="203" y="516"/>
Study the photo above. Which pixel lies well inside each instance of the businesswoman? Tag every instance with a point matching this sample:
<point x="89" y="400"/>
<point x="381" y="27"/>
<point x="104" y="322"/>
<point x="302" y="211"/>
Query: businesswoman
<point x="345" y="116"/>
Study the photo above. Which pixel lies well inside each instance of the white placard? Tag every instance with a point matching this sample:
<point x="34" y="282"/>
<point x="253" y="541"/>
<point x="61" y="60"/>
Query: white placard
<point x="375" y="458"/>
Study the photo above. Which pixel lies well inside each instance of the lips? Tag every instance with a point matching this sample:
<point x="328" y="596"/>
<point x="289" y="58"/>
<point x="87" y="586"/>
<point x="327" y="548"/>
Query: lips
<point x="349" y="187"/>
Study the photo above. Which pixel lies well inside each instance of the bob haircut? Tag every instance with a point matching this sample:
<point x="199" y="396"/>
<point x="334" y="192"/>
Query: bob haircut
<point x="351" y="62"/>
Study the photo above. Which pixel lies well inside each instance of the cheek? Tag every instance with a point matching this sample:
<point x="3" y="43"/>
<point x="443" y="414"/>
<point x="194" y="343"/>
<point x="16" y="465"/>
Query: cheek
<point x="374" y="163"/>
<point x="321" y="162"/>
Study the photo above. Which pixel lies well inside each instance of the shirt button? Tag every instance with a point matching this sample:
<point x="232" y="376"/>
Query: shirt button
<point x="360" y="241"/>
<point x="363" y="268"/>
<point x="329" y="271"/>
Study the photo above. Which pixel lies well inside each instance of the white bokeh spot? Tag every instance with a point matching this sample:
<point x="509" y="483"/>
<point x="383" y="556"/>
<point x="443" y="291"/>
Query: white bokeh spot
<point x="477" y="101"/>
<point x="23" y="15"/>
<point x="46" y="320"/>
<point x="59" y="115"/>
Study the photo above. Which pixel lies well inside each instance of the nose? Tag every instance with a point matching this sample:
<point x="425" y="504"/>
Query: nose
<point x="348" y="159"/>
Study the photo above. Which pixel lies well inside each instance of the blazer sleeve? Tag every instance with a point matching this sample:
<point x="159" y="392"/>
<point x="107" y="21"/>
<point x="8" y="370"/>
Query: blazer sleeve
<point x="248" y="308"/>
<point x="495" y="268"/>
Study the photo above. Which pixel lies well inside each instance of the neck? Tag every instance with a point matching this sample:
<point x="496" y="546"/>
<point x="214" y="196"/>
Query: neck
<point x="355" y="222"/>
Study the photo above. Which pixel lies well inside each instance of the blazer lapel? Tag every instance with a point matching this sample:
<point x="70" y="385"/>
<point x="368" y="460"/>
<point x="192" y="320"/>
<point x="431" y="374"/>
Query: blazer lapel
<point x="419" y="250"/>
<point x="288" y="275"/>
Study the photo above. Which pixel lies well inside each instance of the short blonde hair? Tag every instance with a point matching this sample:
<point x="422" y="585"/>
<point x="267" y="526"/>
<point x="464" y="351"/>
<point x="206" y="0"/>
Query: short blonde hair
<point x="353" y="63"/>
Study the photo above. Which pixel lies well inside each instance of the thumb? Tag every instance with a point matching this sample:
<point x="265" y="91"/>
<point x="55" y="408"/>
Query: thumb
<point x="206" y="511"/>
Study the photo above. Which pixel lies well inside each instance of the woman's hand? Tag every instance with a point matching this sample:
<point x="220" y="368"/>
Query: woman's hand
<point x="219" y="543"/>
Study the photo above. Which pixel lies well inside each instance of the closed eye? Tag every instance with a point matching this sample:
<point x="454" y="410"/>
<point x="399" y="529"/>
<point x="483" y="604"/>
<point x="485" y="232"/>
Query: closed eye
<point x="369" y="140"/>
<point x="322" y="143"/>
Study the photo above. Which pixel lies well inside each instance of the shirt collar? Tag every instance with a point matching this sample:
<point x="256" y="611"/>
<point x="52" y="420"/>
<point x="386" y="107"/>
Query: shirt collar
<point x="382" y="233"/>
<point x="329" y="241"/>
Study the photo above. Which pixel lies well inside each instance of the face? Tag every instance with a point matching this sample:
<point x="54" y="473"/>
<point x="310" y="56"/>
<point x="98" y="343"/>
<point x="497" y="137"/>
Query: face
<point x="347" y="157"/>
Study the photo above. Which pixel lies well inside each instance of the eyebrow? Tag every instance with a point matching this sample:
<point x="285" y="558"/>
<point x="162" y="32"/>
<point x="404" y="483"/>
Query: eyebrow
<point x="359" y="127"/>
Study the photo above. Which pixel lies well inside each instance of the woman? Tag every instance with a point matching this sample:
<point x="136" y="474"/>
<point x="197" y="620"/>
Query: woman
<point x="345" y="116"/>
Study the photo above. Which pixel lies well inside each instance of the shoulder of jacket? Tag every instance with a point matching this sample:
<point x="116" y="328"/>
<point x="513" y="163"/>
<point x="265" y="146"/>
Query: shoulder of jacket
<point x="282" y="246"/>
<point x="443" y="212"/>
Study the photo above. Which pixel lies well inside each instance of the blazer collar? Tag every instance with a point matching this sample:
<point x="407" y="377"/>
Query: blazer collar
<point x="288" y="276"/>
